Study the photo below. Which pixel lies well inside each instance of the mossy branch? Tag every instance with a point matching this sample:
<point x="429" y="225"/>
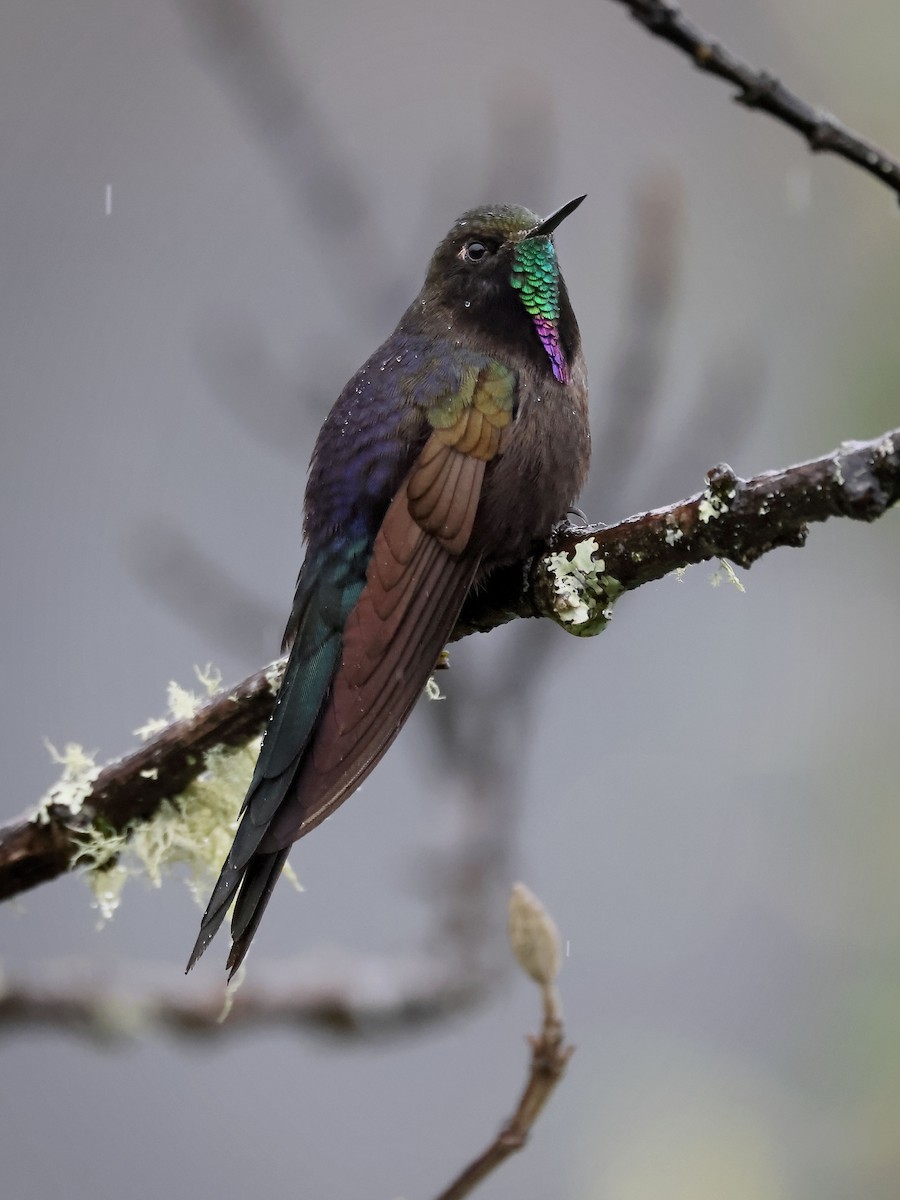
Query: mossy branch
<point x="44" y="844"/>
<point x="574" y="580"/>
<point x="732" y="518"/>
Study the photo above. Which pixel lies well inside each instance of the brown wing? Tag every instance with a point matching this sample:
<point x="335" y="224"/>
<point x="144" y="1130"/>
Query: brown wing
<point x="418" y="576"/>
<point x="414" y="590"/>
<point x="416" y="583"/>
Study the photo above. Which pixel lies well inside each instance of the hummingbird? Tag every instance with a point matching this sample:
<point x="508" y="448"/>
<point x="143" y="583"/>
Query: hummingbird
<point x="452" y="451"/>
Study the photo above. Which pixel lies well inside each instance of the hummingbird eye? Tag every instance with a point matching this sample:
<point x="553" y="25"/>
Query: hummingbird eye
<point x="475" y="251"/>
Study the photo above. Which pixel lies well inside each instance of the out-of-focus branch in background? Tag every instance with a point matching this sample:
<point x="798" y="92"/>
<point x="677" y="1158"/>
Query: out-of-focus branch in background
<point x="760" y="90"/>
<point x="338" y="994"/>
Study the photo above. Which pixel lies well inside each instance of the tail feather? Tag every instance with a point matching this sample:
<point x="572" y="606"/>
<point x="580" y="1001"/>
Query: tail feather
<point x="307" y="677"/>
<point x="219" y="901"/>
<point x="252" y="883"/>
<point x="237" y="869"/>
<point x="364" y="645"/>
<point x="261" y="874"/>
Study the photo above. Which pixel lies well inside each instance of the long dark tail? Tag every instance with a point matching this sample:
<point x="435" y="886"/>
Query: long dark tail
<point x="249" y="872"/>
<point x="349" y="687"/>
<point x="255" y="882"/>
<point x="263" y="872"/>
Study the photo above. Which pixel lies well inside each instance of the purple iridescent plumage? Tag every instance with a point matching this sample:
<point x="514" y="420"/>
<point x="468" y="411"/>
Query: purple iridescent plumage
<point x="548" y="332"/>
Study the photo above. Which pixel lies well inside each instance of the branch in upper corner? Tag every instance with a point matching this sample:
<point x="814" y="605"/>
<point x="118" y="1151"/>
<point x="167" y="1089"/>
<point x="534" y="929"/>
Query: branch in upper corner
<point x="758" y="89"/>
<point x="574" y="580"/>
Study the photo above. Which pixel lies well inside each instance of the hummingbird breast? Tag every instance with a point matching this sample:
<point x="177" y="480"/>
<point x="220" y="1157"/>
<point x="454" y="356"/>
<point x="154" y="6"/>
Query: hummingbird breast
<point x="534" y="483"/>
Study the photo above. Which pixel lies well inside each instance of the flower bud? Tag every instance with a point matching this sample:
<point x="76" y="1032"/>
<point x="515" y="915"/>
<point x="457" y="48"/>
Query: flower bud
<point x="533" y="936"/>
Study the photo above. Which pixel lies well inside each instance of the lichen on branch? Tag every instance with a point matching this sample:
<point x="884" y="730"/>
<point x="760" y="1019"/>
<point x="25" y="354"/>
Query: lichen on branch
<point x="573" y="580"/>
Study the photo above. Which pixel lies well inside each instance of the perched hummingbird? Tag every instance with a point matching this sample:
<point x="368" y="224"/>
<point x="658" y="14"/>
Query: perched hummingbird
<point x="453" y="450"/>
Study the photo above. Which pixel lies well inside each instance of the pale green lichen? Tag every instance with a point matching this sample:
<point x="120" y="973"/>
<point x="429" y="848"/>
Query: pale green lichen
<point x="211" y="678"/>
<point x="726" y="575"/>
<point x="193" y="830"/>
<point x="711" y="507"/>
<point x="275" y="673"/>
<point x="583" y="595"/>
<point x="73" y="786"/>
<point x="106" y="884"/>
<point x="150" y="728"/>
<point x="432" y="687"/>
<point x="231" y="987"/>
<point x="182" y="703"/>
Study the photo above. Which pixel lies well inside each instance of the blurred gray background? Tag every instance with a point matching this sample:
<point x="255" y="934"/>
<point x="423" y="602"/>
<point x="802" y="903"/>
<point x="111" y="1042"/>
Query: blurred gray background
<point x="705" y="797"/>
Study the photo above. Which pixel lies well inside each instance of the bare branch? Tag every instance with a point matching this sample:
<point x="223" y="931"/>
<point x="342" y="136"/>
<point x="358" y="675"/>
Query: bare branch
<point x="758" y="89"/>
<point x="732" y="518"/>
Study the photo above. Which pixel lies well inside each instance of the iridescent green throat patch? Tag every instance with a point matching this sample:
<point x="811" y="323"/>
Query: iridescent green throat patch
<point x="536" y="278"/>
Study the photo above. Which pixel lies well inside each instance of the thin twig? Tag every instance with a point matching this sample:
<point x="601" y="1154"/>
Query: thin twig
<point x="732" y="518"/>
<point x="758" y="89"/>
<point x="549" y="1058"/>
<point x="535" y="944"/>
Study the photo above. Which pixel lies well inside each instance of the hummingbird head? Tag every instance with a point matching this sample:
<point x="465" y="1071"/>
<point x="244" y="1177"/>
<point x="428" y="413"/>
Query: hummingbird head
<point x="497" y="272"/>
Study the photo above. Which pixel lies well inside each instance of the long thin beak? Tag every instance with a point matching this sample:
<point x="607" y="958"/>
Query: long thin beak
<point x="548" y="224"/>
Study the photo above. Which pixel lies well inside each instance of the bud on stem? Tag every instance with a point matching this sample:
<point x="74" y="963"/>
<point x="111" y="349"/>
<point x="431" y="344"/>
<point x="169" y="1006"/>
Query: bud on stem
<point x="533" y="937"/>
